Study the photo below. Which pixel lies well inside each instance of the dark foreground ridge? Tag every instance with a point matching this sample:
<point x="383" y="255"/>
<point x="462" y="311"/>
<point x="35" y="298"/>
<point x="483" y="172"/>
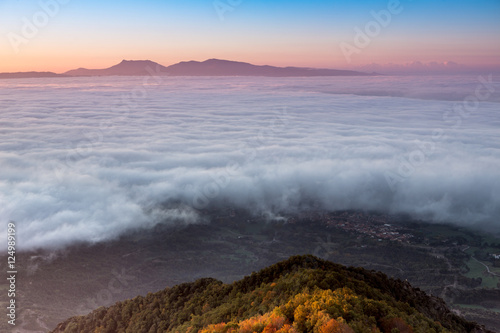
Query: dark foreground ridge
<point x="301" y="294"/>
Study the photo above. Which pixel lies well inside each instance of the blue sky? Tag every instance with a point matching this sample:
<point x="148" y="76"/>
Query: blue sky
<point x="305" y="33"/>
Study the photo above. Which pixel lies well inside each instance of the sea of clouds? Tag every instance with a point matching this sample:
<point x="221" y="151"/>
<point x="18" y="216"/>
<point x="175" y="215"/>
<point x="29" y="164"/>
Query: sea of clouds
<point x="87" y="159"/>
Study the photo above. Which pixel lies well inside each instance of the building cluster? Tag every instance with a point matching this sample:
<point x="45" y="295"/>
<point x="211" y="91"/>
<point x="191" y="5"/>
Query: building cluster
<point x="376" y="226"/>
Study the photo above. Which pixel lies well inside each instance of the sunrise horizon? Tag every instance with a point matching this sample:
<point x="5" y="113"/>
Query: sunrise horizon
<point x="411" y="67"/>
<point x="57" y="35"/>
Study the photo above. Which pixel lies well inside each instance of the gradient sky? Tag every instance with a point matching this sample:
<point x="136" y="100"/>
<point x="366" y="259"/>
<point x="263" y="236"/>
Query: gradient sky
<point x="99" y="34"/>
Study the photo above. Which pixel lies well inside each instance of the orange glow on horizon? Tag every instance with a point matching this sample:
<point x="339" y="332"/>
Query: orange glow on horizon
<point x="60" y="62"/>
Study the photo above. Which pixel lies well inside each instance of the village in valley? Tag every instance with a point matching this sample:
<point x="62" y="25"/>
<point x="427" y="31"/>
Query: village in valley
<point x="376" y="226"/>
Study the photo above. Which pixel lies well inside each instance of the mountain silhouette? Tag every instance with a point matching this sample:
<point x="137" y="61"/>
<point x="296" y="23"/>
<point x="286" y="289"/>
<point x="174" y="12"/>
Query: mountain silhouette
<point x="211" y="67"/>
<point x="216" y="67"/>
<point x="23" y="75"/>
<point x="125" y="68"/>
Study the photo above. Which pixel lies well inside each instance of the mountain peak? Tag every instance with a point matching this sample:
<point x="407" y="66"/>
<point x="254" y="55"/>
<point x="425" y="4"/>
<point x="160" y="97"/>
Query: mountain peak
<point x="125" y="67"/>
<point x="124" y="61"/>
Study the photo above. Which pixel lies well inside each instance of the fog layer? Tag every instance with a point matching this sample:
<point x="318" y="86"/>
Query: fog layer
<point x="87" y="159"/>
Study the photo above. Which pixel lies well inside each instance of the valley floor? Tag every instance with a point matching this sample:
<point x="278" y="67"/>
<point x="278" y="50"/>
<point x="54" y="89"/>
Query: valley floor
<point x="446" y="261"/>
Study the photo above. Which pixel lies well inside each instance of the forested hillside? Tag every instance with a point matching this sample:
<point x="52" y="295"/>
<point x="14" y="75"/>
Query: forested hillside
<point x="301" y="294"/>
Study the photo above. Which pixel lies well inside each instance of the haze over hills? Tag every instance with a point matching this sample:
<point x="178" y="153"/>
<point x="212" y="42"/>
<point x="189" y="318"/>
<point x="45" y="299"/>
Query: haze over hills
<point x="211" y="67"/>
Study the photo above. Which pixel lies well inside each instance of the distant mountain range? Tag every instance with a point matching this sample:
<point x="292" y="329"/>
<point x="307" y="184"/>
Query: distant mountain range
<point x="211" y="67"/>
<point x="23" y="75"/>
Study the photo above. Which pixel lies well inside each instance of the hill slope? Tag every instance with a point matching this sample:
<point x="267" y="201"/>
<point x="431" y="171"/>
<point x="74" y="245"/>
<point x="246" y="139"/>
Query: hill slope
<point x="126" y="68"/>
<point x="301" y="294"/>
<point x="217" y="67"/>
<point x="24" y="75"/>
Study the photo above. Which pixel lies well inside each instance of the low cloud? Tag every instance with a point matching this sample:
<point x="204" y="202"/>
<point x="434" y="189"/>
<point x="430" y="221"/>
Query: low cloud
<point x="427" y="68"/>
<point x="82" y="163"/>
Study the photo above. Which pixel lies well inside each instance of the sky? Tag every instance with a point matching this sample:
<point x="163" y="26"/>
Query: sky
<point x="59" y="35"/>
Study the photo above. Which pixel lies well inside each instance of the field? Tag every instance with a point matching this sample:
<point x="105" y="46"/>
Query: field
<point x="478" y="270"/>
